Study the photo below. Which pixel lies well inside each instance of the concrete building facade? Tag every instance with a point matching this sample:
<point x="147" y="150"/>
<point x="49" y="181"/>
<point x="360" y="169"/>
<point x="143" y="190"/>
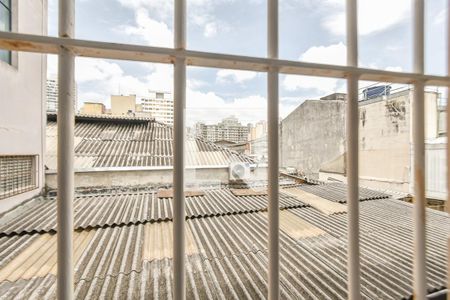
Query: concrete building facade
<point x="313" y="141"/>
<point x="159" y="105"/>
<point x="52" y="94"/>
<point x="230" y="129"/>
<point x="93" y="108"/>
<point x="123" y="105"/>
<point x="313" y="134"/>
<point x="22" y="113"/>
<point x="258" y="130"/>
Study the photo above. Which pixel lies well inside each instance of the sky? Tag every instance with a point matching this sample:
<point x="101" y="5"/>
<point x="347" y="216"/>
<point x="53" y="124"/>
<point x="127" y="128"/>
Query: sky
<point x="310" y="30"/>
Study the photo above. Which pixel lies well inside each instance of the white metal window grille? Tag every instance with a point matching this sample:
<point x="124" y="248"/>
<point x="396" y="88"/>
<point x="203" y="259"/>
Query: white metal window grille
<point x="17" y="175"/>
<point x="67" y="47"/>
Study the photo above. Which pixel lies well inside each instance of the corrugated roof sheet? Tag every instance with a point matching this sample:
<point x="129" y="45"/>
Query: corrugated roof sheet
<point x="106" y="210"/>
<point x="227" y="256"/>
<point x="100" y="144"/>
<point x="337" y="192"/>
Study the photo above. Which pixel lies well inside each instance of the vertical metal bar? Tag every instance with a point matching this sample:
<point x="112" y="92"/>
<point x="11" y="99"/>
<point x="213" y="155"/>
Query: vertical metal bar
<point x="65" y="181"/>
<point x="448" y="122"/>
<point x="352" y="123"/>
<point x="273" y="144"/>
<point x="419" y="156"/>
<point x="178" y="153"/>
<point x="448" y="147"/>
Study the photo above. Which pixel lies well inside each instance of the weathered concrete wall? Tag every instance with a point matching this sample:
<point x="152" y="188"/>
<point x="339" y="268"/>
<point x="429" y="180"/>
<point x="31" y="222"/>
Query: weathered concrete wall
<point x="312" y="135"/>
<point x="431" y="115"/>
<point x="130" y="177"/>
<point x="313" y="139"/>
<point x="384" y="137"/>
<point x="22" y="94"/>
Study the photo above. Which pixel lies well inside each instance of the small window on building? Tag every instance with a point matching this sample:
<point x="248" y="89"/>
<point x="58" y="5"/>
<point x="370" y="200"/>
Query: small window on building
<point x="159" y="95"/>
<point x="5" y="25"/>
<point x="18" y="174"/>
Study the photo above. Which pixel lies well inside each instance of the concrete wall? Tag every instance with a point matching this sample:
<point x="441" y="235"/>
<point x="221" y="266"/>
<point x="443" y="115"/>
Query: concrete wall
<point x="93" y="108"/>
<point x="442" y="126"/>
<point x="22" y="96"/>
<point x="431" y="115"/>
<point x="313" y="138"/>
<point x="436" y="169"/>
<point x="129" y="177"/>
<point x="384" y="136"/>
<point x="121" y="105"/>
<point x="313" y="134"/>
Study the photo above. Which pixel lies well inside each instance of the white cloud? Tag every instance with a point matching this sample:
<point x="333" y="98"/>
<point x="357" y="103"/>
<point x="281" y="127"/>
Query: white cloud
<point x="210" y="30"/>
<point x="98" y="79"/>
<point x="441" y="17"/>
<point x="164" y="8"/>
<point x="373" y="16"/>
<point x="332" y="54"/>
<point x="195" y="83"/>
<point x="154" y="33"/>
<point x="322" y="85"/>
<point x="96" y="69"/>
<point x="210" y="108"/>
<point x="161" y="77"/>
<point x="394" y="69"/>
<point x="237" y="76"/>
<point x="92" y="97"/>
<point x="154" y="16"/>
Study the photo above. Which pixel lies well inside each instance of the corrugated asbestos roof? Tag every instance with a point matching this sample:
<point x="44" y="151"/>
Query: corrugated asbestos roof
<point x="337" y="192"/>
<point x="106" y="143"/>
<point x="106" y="210"/>
<point x="227" y="253"/>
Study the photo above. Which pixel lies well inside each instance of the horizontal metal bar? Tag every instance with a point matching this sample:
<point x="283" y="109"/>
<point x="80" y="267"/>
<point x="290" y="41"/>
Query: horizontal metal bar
<point x="85" y="48"/>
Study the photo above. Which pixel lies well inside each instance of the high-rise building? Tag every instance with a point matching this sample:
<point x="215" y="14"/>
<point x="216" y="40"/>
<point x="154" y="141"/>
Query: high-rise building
<point x="159" y="105"/>
<point x="52" y="94"/>
<point x="258" y="131"/>
<point x="230" y="129"/>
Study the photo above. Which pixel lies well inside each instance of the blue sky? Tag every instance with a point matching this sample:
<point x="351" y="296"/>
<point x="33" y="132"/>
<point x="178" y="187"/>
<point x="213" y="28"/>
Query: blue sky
<point x="310" y="30"/>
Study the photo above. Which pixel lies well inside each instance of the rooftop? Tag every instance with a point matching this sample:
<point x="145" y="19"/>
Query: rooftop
<point x="122" y="141"/>
<point x="123" y="247"/>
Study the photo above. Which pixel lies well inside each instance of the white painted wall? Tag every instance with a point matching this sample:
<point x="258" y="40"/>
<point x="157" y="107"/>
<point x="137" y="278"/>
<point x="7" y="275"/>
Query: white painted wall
<point x="436" y="169"/>
<point x="22" y="94"/>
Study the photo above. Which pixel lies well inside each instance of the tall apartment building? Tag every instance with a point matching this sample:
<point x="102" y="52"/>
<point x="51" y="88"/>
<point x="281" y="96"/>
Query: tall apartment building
<point x="159" y="105"/>
<point x="258" y="130"/>
<point x="230" y="129"/>
<point x="52" y="94"/>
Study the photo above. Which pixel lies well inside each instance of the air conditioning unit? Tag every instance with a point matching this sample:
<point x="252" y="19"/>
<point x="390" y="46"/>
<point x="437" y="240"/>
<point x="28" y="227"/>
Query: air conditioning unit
<point x="239" y="171"/>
